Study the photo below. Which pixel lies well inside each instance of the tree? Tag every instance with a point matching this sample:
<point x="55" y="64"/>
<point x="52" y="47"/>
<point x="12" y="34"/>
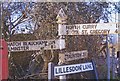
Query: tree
<point x="44" y="15"/>
<point x="43" y="18"/>
<point x="15" y="15"/>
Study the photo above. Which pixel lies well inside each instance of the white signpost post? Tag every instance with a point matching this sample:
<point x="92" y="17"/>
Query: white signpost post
<point x="33" y="45"/>
<point x="62" y="17"/>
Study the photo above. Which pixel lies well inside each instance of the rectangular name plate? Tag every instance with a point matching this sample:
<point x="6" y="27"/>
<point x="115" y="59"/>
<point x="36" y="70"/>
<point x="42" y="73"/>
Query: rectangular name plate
<point x="71" y="69"/>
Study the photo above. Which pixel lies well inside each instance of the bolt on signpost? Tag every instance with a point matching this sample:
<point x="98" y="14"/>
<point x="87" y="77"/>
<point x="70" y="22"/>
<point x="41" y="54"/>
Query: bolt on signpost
<point x="61" y="21"/>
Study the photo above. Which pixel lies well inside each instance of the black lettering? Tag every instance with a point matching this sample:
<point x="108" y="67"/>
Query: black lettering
<point x="27" y="48"/>
<point x="10" y="44"/>
<point x="76" y="68"/>
<point x="64" y="70"/>
<point x="61" y="71"/>
<point x="24" y="43"/>
<point x="90" y="66"/>
<point x="80" y="67"/>
<point x="56" y="71"/>
<point x="73" y="68"/>
<point x="84" y="26"/>
<point x="70" y="69"/>
<point x="67" y="69"/>
<point x="84" y="32"/>
<point x="84" y="67"/>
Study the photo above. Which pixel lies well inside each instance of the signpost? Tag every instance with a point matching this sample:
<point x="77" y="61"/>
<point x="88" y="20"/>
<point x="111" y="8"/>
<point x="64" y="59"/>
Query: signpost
<point x="76" y="29"/>
<point x="16" y="46"/>
<point x="75" y="55"/>
<point x="90" y="29"/>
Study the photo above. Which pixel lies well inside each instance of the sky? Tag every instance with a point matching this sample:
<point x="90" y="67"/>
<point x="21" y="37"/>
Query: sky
<point x="112" y="19"/>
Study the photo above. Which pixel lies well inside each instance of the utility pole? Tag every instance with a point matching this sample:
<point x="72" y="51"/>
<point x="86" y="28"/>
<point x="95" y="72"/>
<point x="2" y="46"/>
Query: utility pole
<point x="114" y="42"/>
<point x="108" y="59"/>
<point x="113" y="63"/>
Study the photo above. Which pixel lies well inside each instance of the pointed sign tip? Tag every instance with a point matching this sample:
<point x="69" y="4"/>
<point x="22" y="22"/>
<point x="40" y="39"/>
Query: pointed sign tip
<point x="61" y="15"/>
